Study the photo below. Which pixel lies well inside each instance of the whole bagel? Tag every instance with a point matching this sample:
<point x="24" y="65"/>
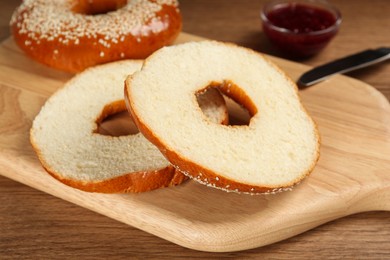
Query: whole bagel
<point x="72" y="35"/>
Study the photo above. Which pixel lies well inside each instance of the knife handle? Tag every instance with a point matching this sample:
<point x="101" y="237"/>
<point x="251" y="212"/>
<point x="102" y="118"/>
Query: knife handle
<point x="343" y="65"/>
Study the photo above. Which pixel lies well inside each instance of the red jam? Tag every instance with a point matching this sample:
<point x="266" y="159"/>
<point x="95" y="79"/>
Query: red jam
<point x="299" y="30"/>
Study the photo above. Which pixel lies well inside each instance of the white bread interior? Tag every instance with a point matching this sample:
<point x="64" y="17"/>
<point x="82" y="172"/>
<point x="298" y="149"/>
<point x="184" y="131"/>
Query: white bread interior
<point x="64" y="135"/>
<point x="278" y="148"/>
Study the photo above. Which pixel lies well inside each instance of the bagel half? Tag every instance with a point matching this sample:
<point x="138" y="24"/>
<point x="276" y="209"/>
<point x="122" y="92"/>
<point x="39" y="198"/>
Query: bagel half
<point x="276" y="150"/>
<point x="65" y="138"/>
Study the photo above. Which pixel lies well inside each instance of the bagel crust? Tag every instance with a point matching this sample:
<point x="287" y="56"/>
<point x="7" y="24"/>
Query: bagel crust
<point x="132" y="182"/>
<point x="73" y="35"/>
<point x="276" y="151"/>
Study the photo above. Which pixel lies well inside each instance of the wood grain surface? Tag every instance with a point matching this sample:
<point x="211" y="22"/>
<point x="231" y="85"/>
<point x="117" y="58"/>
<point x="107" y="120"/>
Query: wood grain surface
<point x="35" y="224"/>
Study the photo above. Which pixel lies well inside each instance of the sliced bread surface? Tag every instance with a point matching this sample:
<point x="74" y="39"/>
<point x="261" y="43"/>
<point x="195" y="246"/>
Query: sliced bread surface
<point x="276" y="150"/>
<point x="64" y="135"/>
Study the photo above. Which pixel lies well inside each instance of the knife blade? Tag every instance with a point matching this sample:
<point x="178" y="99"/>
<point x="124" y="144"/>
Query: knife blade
<point x="343" y="65"/>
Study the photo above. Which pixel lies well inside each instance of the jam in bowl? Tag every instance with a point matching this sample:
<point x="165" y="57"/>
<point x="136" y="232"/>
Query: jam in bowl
<point x="300" y="28"/>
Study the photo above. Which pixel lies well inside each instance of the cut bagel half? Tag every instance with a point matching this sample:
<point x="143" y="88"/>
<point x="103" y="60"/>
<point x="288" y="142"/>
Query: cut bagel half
<point x="276" y="150"/>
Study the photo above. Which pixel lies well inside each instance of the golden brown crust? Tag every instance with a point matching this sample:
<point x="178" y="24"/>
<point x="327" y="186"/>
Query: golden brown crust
<point x="86" y="52"/>
<point x="131" y="182"/>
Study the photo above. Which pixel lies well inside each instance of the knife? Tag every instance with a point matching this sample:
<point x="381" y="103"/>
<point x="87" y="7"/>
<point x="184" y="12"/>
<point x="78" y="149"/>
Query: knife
<point x="343" y="65"/>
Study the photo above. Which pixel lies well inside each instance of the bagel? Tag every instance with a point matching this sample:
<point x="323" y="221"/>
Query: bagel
<point x="276" y="150"/>
<point x="72" y="35"/>
<point x="65" y="135"/>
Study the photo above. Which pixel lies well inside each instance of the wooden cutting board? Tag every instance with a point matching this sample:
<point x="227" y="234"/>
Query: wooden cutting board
<point x="352" y="175"/>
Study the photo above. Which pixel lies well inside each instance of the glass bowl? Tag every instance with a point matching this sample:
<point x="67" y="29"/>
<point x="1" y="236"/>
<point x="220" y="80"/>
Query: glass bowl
<point x="300" y="28"/>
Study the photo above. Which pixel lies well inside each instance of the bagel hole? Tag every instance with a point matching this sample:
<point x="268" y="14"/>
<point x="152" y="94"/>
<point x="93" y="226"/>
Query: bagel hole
<point x="116" y="121"/>
<point x="119" y="124"/>
<point x="238" y="114"/>
<point x="240" y="108"/>
<point x="88" y="7"/>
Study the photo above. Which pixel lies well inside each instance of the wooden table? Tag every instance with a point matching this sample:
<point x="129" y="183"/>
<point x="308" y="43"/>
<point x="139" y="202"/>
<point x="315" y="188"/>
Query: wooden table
<point x="37" y="225"/>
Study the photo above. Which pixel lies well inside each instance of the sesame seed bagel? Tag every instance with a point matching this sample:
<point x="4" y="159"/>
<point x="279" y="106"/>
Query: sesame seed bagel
<point x="276" y="150"/>
<point x="72" y="35"/>
<point x="66" y="139"/>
